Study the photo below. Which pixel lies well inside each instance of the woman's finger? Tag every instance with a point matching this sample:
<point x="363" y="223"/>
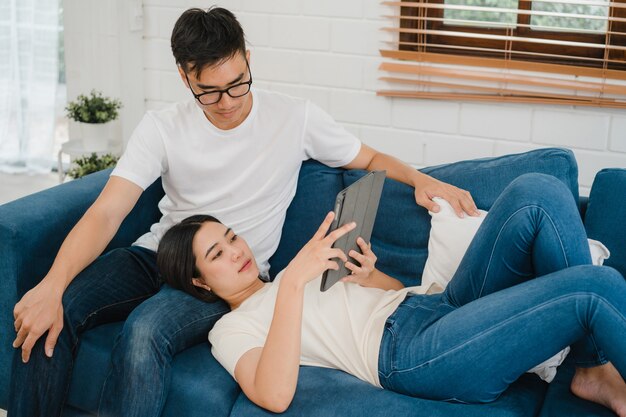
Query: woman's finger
<point x="365" y="247"/>
<point x="357" y="256"/>
<point x="336" y="234"/>
<point x="337" y="253"/>
<point x="323" y="229"/>
<point x="353" y="268"/>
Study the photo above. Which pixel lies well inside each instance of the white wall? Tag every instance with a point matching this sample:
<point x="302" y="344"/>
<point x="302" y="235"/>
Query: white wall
<point x="327" y="51"/>
<point x="103" y="43"/>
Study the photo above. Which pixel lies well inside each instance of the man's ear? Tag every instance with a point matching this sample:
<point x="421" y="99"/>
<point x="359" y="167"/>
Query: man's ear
<point x="200" y="284"/>
<point x="182" y="76"/>
<point x="248" y="56"/>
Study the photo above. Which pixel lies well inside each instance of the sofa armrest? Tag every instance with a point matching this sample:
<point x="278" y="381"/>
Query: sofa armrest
<point x="606" y="211"/>
<point x="32" y="230"/>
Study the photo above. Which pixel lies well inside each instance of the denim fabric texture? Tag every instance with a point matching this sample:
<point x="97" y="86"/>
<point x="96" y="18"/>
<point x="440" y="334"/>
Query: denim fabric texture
<point x="524" y="290"/>
<point x="159" y="322"/>
<point x="32" y="229"/>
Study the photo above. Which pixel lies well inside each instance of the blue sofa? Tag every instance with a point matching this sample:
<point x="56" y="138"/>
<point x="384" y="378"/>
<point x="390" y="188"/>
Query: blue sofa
<point x="32" y="229"/>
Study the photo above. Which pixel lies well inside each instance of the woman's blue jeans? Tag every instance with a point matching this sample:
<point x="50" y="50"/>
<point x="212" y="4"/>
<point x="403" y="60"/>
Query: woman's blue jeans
<point x="160" y="322"/>
<point x="524" y="290"/>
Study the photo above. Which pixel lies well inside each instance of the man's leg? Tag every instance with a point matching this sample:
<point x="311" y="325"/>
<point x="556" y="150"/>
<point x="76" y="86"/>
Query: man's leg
<point x="105" y="291"/>
<point x="139" y="377"/>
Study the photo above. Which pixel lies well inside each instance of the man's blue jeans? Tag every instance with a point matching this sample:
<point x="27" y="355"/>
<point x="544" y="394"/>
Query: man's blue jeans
<point x="161" y="321"/>
<point x="523" y="291"/>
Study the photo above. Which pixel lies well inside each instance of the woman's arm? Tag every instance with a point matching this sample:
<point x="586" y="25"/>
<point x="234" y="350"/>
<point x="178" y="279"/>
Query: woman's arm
<point x="268" y="375"/>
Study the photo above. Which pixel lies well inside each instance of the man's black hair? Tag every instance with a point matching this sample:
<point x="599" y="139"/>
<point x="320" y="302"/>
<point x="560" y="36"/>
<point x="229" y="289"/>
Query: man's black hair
<point x="203" y="38"/>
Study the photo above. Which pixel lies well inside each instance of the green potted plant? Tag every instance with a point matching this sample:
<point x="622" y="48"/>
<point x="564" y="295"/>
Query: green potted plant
<point x="90" y="164"/>
<point x="94" y="112"/>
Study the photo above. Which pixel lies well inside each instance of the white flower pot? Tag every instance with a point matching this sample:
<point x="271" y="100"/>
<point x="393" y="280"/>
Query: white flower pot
<point x="96" y="136"/>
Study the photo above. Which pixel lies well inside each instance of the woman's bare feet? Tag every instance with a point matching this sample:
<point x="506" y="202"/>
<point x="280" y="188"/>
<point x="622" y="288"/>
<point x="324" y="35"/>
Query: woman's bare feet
<point x="603" y="385"/>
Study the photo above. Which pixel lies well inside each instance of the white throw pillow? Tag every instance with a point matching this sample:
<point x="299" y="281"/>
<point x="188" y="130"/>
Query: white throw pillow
<point x="449" y="239"/>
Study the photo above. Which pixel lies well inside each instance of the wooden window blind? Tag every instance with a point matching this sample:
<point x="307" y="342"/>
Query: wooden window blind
<point x="526" y="51"/>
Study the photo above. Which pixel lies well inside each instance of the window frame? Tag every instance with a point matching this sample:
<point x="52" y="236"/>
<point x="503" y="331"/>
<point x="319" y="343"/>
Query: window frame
<point x="521" y="32"/>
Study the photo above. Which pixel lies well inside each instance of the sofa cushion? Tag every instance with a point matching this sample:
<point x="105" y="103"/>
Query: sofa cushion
<point x="605" y="219"/>
<point x="329" y="392"/>
<point x="318" y="186"/>
<point x="400" y="235"/>
<point x="199" y="383"/>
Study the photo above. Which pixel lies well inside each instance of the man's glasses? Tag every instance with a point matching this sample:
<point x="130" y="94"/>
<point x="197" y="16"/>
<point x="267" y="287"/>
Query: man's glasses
<point x="234" y="91"/>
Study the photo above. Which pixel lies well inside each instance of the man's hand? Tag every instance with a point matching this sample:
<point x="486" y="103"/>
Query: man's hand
<point x="426" y="187"/>
<point x="40" y="310"/>
<point x="460" y="200"/>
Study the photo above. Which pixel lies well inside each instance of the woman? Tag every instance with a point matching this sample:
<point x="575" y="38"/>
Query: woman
<point x="524" y="290"/>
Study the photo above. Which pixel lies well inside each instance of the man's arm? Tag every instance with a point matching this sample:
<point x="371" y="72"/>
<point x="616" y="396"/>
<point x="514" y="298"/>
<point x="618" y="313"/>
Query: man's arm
<point x="426" y="187"/>
<point x="40" y="309"/>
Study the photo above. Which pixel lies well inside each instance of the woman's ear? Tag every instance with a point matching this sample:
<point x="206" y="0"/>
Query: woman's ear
<point x="200" y="284"/>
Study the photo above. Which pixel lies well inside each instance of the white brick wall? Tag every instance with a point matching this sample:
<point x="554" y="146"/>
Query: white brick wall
<point x="327" y="51"/>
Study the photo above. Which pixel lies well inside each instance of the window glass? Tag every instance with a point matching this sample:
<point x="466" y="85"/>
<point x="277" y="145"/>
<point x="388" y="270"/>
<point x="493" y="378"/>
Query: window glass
<point x="590" y="16"/>
<point x="474" y="13"/>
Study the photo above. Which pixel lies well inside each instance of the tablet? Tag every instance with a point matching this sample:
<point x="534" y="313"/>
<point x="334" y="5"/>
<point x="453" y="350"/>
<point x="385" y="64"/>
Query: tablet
<point x="356" y="203"/>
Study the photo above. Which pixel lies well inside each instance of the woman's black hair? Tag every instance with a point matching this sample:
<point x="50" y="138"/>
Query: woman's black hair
<point x="203" y="38"/>
<point x="175" y="258"/>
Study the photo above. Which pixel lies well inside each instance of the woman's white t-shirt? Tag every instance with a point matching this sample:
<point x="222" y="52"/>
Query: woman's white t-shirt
<point x="341" y="328"/>
<point x="246" y="176"/>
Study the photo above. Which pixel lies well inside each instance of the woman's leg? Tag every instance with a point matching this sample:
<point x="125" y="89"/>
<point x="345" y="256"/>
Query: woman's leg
<point x="534" y="228"/>
<point x="474" y="352"/>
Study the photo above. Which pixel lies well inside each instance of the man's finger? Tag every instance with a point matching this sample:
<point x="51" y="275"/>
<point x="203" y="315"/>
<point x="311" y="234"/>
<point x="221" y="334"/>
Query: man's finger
<point x="470" y="206"/>
<point x="428" y="204"/>
<point x="19" y="339"/>
<point x="16" y="311"/>
<point x="458" y="209"/>
<point x="27" y="347"/>
<point x="51" y="339"/>
<point x="18" y="324"/>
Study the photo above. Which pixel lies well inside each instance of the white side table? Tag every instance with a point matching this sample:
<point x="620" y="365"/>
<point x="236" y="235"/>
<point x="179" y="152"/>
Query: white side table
<point x="76" y="149"/>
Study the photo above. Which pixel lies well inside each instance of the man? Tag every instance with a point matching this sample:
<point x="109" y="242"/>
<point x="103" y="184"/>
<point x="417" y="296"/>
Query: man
<point x="231" y="151"/>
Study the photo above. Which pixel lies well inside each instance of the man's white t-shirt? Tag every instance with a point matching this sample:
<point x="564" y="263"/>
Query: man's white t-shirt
<point x="341" y="328"/>
<point x="246" y="177"/>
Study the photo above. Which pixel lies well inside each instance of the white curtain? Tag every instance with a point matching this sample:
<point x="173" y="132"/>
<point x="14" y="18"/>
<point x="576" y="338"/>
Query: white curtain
<point x="29" y="50"/>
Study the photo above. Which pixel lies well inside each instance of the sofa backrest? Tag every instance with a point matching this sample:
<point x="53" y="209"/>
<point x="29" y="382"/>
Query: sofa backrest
<point x="605" y="218"/>
<point x="401" y="230"/>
